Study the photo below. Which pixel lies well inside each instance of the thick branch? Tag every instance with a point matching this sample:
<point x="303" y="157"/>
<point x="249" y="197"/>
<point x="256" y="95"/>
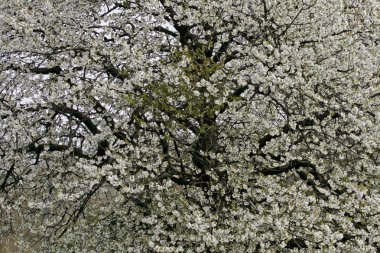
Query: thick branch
<point x="56" y="147"/>
<point x="8" y="174"/>
<point x="45" y="71"/>
<point x="60" y="108"/>
<point x="164" y="30"/>
<point x="295" y="164"/>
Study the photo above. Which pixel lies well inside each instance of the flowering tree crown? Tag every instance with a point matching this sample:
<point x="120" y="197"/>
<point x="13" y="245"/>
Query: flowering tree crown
<point x="190" y="126"/>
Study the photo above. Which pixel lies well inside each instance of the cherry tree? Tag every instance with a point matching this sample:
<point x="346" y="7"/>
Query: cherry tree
<point x="190" y="126"/>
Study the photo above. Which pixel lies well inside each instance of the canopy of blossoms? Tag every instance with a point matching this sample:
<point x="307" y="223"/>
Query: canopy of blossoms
<point x="190" y="126"/>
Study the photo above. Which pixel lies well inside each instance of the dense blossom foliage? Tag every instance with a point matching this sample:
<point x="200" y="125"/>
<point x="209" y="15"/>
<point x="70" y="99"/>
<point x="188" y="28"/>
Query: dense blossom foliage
<point x="190" y="126"/>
